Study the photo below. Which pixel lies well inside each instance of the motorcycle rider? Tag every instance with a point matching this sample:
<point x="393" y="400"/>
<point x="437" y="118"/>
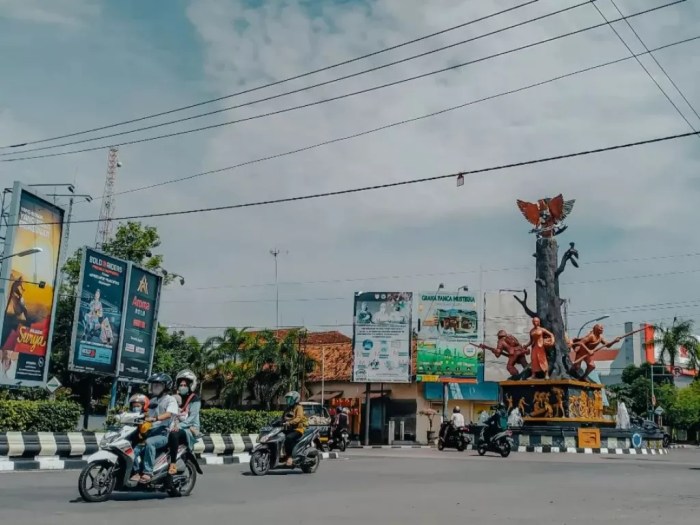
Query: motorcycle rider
<point x="494" y="424"/>
<point x="456" y="422"/>
<point x="295" y="424"/>
<point x="161" y="410"/>
<point x="185" y="429"/>
<point x="341" y="423"/>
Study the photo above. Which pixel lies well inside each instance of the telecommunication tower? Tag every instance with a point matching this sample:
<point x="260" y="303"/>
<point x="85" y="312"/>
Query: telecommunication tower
<point x="105" y="227"/>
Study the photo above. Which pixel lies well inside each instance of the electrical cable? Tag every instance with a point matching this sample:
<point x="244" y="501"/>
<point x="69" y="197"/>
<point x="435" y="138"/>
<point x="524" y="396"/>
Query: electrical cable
<point x="331" y="99"/>
<point x="274" y="83"/>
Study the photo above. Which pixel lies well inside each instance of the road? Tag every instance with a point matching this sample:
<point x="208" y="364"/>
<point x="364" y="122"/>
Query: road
<point x="407" y="487"/>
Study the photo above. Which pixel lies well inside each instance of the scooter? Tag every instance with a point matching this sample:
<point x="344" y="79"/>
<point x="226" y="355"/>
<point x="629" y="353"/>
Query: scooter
<point x="502" y="443"/>
<point x="452" y="437"/>
<point x="110" y="468"/>
<point x="266" y="455"/>
<point x="339" y="441"/>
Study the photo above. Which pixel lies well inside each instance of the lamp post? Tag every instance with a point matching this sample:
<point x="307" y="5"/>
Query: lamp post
<point x="23" y="253"/>
<point x="589" y="322"/>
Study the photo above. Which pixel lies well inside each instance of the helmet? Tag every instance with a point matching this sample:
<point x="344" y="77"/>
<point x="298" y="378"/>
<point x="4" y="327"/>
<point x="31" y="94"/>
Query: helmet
<point x="145" y="427"/>
<point x="140" y="398"/>
<point x="160" y="377"/>
<point x="292" y="397"/>
<point x="456" y="410"/>
<point x="187" y="375"/>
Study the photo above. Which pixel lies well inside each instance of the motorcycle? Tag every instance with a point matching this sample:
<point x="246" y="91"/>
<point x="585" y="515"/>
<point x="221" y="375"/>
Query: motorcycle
<point x="339" y="441"/>
<point x="453" y="437"/>
<point x="267" y="454"/>
<point x="110" y="468"/>
<point x="502" y="443"/>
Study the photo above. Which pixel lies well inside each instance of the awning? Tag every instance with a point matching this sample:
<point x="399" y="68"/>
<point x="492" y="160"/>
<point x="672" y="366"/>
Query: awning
<point x="326" y="395"/>
<point x="376" y="395"/>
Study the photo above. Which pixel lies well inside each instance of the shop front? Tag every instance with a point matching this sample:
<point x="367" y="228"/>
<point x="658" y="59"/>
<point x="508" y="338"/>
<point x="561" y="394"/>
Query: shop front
<point x="472" y="398"/>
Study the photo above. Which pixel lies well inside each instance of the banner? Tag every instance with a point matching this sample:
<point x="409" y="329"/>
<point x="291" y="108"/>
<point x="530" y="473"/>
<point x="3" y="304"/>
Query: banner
<point x="447" y="327"/>
<point x="98" y="314"/>
<point x="28" y="287"/>
<point x="502" y="312"/>
<point x="140" y="323"/>
<point x="382" y="337"/>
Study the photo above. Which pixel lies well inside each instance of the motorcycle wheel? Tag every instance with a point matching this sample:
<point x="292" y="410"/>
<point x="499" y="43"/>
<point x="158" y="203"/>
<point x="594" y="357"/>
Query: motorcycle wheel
<point x="461" y="446"/>
<point x="185" y="489"/>
<point x="260" y="462"/>
<point x="666" y="441"/>
<point x="481" y="450"/>
<point x="313" y="467"/>
<point x="505" y="449"/>
<point x="96" y="487"/>
<point x="342" y="445"/>
<point x="440" y="445"/>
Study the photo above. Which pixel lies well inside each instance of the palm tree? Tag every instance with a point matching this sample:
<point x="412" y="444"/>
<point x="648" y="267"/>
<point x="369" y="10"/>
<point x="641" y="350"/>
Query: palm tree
<point x="218" y="352"/>
<point x="671" y="340"/>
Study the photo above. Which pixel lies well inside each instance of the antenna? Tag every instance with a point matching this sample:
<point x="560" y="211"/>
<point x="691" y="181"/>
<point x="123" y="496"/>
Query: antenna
<point x="105" y="226"/>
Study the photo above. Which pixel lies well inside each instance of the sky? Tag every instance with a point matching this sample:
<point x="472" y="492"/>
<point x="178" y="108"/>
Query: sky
<point x="71" y="65"/>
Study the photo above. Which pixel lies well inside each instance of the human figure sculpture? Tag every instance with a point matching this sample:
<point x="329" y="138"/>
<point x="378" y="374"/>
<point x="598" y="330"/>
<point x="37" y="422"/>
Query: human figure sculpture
<point x="521" y="406"/>
<point x="509" y="400"/>
<point x="540" y="339"/>
<point x="559" y="406"/>
<point x="585" y="349"/>
<point x="510" y="346"/>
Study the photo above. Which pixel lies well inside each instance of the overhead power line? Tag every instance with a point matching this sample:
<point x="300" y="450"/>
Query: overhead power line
<point x="276" y="82"/>
<point x="388" y="184"/>
<point x="338" y="97"/>
<point x="304" y="88"/>
<point x="395" y="124"/>
<point x="663" y="91"/>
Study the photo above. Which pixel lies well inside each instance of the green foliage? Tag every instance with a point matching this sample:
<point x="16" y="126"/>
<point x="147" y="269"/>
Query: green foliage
<point x="34" y="394"/>
<point x="685" y="410"/>
<point x="218" y="421"/>
<point x="679" y="335"/>
<point x="38" y="416"/>
<point x="175" y="351"/>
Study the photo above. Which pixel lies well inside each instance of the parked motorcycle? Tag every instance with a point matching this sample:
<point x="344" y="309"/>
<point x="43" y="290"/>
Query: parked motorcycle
<point x="110" y="468"/>
<point x="339" y="441"/>
<point x="267" y="454"/>
<point x="453" y="437"/>
<point x="501" y="443"/>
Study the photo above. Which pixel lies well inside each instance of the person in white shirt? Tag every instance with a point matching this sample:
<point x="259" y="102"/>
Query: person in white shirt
<point x="457" y="417"/>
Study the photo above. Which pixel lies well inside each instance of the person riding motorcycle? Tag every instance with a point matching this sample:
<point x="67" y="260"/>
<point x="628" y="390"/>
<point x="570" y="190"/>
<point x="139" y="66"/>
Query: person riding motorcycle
<point x="185" y="429"/>
<point x="456" y="422"/>
<point x="138" y="404"/>
<point x="162" y="408"/>
<point x="341" y="423"/>
<point x="295" y="424"/>
<point x="495" y="423"/>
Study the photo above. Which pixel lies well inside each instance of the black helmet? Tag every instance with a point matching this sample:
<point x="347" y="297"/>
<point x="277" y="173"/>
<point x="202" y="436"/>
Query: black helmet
<point x="160" y="377"/>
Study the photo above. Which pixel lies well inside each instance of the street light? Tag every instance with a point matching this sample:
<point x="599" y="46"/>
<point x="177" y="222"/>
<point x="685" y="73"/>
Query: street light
<point x="589" y="322"/>
<point x="174" y="275"/>
<point x="23" y="253"/>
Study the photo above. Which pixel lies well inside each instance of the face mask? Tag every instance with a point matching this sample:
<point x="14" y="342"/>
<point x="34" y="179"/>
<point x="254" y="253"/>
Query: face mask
<point x="157" y="389"/>
<point x="183" y="390"/>
<point x="136" y="410"/>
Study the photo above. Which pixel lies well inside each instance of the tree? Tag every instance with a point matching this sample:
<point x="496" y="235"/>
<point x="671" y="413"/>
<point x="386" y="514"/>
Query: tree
<point x="672" y="340"/>
<point x="175" y="351"/>
<point x="685" y="411"/>
<point x="635" y="389"/>
<point x="219" y="353"/>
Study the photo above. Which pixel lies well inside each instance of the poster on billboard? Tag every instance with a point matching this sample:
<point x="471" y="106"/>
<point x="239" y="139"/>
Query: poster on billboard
<point x="140" y="325"/>
<point x="98" y="314"/>
<point x="448" y="329"/>
<point x="502" y="312"/>
<point x="28" y="287"/>
<point x="382" y="337"/>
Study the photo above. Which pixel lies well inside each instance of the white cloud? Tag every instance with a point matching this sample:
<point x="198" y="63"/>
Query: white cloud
<point x="54" y="12"/>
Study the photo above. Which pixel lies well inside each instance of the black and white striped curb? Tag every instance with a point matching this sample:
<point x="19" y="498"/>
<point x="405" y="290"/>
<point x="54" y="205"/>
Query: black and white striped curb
<point x="64" y="451"/>
<point x="573" y="450"/>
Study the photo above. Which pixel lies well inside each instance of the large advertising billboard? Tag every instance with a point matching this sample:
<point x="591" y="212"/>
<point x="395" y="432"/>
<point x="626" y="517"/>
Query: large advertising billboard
<point x="28" y="287"/>
<point x="448" y="330"/>
<point x="382" y="337"/>
<point x="502" y="312"/>
<point x="140" y="318"/>
<point x="98" y="314"/>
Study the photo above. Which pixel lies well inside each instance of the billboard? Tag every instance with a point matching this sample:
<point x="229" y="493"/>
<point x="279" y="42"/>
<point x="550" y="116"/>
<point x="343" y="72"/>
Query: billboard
<point x="140" y="318"/>
<point x="502" y="312"/>
<point x="98" y="314"/>
<point x="447" y="330"/>
<point x="28" y="287"/>
<point x="382" y="337"/>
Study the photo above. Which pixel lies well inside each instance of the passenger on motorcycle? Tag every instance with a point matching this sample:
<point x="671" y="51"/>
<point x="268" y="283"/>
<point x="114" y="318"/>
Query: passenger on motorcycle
<point x="161" y="410"/>
<point x="185" y="429"/>
<point x="295" y="424"/>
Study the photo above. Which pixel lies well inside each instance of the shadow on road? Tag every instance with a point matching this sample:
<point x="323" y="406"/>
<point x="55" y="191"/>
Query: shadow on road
<point x="281" y="472"/>
<point x="128" y="496"/>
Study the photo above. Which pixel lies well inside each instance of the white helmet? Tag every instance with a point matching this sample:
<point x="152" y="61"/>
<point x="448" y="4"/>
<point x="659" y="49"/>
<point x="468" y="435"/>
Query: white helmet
<point x="187" y="375"/>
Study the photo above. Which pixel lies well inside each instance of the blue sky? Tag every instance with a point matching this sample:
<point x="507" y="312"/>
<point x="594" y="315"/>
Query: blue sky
<point x="69" y="65"/>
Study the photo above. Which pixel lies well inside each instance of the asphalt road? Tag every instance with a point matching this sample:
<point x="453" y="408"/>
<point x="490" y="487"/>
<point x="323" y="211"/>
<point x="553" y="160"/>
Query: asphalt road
<point x="391" y="487"/>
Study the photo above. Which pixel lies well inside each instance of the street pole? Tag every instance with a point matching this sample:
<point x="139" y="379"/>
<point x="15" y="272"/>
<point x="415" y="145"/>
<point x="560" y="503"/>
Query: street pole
<point x="367" y="414"/>
<point x="275" y="253"/>
<point x="445" y="395"/>
<point x="323" y="374"/>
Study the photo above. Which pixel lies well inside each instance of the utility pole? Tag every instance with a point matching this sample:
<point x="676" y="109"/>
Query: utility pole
<point x="275" y="252"/>
<point x="104" y="227"/>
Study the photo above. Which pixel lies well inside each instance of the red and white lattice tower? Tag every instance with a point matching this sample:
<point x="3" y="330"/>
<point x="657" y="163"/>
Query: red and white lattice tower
<point x="105" y="227"/>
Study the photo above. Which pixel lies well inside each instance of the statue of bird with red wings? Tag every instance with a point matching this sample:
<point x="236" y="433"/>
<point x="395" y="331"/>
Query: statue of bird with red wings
<point x="546" y="215"/>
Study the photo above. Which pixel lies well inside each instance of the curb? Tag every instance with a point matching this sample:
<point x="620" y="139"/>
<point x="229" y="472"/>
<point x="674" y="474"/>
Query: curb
<point x="55" y="463"/>
<point x="545" y="449"/>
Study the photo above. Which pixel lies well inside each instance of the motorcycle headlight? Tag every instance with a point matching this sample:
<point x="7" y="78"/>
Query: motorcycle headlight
<point x="264" y="439"/>
<point x="108" y="438"/>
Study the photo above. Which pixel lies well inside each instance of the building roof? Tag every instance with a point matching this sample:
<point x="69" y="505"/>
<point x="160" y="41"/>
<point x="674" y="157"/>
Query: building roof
<point x="312" y="338"/>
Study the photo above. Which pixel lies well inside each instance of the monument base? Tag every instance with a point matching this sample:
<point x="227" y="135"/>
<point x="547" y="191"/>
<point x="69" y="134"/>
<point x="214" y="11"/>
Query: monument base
<point x="556" y="402"/>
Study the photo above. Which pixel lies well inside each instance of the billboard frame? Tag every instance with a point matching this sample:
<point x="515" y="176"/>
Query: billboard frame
<point x="11" y="229"/>
<point x="154" y="335"/>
